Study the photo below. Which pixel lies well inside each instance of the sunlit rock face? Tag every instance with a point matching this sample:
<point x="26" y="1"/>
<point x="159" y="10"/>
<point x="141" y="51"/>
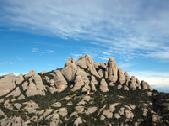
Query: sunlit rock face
<point x="82" y="93"/>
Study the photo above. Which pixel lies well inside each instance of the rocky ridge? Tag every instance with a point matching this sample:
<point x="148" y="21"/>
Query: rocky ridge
<point x="81" y="93"/>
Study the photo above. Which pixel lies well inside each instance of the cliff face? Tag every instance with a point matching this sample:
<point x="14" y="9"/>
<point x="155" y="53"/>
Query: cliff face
<point x="81" y="93"/>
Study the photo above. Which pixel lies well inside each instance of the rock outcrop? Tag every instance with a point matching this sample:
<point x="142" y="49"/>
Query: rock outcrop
<point x="112" y="70"/>
<point x="60" y="83"/>
<point x="7" y="84"/>
<point x="69" y="70"/>
<point x="33" y="84"/>
<point x="81" y="93"/>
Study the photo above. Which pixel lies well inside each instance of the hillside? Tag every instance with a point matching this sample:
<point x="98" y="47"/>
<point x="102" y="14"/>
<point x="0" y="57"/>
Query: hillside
<point x="83" y="93"/>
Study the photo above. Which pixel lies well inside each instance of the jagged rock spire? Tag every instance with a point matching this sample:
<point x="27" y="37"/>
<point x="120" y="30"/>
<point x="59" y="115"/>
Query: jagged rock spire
<point x="112" y="70"/>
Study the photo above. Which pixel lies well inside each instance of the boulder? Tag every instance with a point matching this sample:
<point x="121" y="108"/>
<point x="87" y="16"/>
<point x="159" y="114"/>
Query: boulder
<point x="119" y="86"/>
<point x="91" y="110"/>
<point x="126" y="88"/>
<point x="138" y="83"/>
<point x="116" y="116"/>
<point x="145" y="112"/>
<point x="35" y="85"/>
<point x="104" y="86"/>
<point x="149" y="93"/>
<point x="127" y="78"/>
<point x="102" y="117"/>
<point x="21" y="97"/>
<point x="93" y="87"/>
<point x="145" y="85"/>
<point x="86" y="62"/>
<point x="107" y="113"/>
<point x="111" y="84"/>
<point x="121" y="75"/>
<point x="46" y="113"/>
<point x="8" y="105"/>
<point x="94" y="82"/>
<point x="87" y="98"/>
<point x="63" y="112"/>
<point x="18" y="106"/>
<point x="127" y="107"/>
<point x="51" y="82"/>
<point x="82" y="102"/>
<point x="155" y="118"/>
<point x="106" y="73"/>
<point x="132" y="107"/>
<point x="79" y="109"/>
<point x="128" y="114"/>
<point x="60" y="82"/>
<point x="112" y="70"/>
<point x="69" y="70"/>
<point x="84" y="75"/>
<point x="57" y="105"/>
<point x="78" y="83"/>
<point x="112" y="107"/>
<point x="78" y="121"/>
<point x="82" y="81"/>
<point x="52" y="90"/>
<point x="30" y="106"/>
<point x="121" y="111"/>
<point x="132" y="83"/>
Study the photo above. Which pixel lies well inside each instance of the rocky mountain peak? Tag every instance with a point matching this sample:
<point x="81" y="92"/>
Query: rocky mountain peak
<point x="82" y="93"/>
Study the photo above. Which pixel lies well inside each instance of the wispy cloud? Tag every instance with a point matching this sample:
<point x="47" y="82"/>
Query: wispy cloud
<point x="127" y="26"/>
<point x="160" y="54"/>
<point x="42" y="51"/>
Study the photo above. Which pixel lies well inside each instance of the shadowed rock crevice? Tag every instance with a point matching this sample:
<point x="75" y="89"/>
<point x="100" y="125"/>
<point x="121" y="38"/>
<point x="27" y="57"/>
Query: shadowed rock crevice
<point x="81" y="93"/>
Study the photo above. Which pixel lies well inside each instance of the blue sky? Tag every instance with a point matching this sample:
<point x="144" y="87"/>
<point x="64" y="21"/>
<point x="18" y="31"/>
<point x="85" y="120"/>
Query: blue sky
<point x="42" y="34"/>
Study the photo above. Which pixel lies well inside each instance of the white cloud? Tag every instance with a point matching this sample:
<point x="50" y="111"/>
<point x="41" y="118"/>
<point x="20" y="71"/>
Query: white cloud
<point x="126" y="25"/>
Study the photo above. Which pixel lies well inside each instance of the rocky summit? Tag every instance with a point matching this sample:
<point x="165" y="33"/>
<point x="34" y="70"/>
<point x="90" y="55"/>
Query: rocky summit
<point x="83" y="93"/>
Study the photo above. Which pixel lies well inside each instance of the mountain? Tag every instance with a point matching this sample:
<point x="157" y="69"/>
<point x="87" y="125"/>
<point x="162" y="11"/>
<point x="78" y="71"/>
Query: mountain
<point x="83" y="93"/>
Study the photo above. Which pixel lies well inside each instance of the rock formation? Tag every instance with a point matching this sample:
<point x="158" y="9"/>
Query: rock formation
<point x="81" y="93"/>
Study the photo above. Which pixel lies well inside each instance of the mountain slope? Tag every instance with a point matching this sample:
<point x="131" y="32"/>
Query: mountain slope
<point x="81" y="93"/>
